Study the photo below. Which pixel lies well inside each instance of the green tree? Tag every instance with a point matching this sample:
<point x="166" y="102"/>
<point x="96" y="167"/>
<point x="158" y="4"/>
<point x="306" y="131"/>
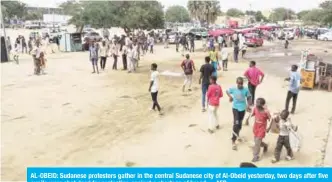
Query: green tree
<point x="315" y="16"/>
<point x="233" y="12"/>
<point x="126" y="14"/>
<point x="327" y="9"/>
<point x="281" y="14"/>
<point x="249" y="12"/>
<point x="177" y="14"/>
<point x="204" y="11"/>
<point x="34" y="15"/>
<point x="13" y="9"/>
<point x="301" y="14"/>
<point x="260" y="17"/>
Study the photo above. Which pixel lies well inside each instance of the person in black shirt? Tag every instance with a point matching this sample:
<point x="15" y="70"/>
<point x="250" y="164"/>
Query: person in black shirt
<point x="24" y="45"/>
<point x="236" y="52"/>
<point x="177" y="41"/>
<point x="206" y="72"/>
<point x="192" y="43"/>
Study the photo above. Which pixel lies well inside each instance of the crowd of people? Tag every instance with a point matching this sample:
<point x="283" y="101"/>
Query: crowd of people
<point x="36" y="46"/>
<point x="243" y="99"/>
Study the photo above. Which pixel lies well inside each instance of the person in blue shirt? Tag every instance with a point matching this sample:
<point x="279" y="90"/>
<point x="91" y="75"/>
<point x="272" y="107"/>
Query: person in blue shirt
<point x="241" y="99"/>
<point x="294" y="88"/>
<point x="93" y="49"/>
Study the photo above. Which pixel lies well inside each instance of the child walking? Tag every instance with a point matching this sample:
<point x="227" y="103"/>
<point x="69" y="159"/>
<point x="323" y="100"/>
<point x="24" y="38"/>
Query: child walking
<point x="188" y="68"/>
<point x="285" y="127"/>
<point x="262" y="115"/>
<point x="239" y="96"/>
<point x="154" y="87"/>
<point x="214" y="94"/>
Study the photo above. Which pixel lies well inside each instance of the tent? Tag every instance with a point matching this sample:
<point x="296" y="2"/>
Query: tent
<point x="223" y="31"/>
<point x="246" y="30"/>
<point x="264" y="27"/>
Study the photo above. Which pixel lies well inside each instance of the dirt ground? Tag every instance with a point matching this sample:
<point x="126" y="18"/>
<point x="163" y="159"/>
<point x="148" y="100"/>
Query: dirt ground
<point x="70" y="117"/>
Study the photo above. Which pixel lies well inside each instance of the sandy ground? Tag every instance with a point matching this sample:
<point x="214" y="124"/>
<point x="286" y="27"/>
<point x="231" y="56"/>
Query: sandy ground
<point x="70" y="117"/>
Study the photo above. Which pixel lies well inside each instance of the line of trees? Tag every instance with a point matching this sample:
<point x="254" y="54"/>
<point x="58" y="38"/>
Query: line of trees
<point x="150" y="14"/>
<point x="18" y="10"/>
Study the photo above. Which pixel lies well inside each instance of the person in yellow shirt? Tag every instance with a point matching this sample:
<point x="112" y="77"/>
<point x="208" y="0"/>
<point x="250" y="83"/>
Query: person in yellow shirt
<point x="214" y="60"/>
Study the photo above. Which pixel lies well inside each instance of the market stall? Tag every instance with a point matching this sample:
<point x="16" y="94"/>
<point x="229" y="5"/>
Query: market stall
<point x="224" y="31"/>
<point x="308" y="71"/>
<point x="314" y="71"/>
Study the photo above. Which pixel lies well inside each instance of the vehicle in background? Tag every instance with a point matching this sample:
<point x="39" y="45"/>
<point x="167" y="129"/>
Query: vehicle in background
<point x="253" y="40"/>
<point x="289" y="32"/>
<point x="51" y="33"/>
<point x="88" y="30"/>
<point x="320" y="31"/>
<point x="198" y="32"/>
<point x="326" y="36"/>
<point x="34" y="25"/>
<point x="310" y="33"/>
<point x="88" y="36"/>
<point x="31" y="25"/>
<point x="172" y="36"/>
<point x="53" y="25"/>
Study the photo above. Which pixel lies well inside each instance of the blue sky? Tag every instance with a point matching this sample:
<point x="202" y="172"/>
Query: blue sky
<point x="296" y="5"/>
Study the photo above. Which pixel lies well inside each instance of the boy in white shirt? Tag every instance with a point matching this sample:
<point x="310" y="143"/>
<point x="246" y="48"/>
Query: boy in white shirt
<point x="285" y="127"/>
<point x="224" y="59"/>
<point x="15" y="53"/>
<point x="154" y="87"/>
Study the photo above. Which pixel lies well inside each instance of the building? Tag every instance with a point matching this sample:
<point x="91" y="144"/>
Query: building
<point x="291" y="23"/>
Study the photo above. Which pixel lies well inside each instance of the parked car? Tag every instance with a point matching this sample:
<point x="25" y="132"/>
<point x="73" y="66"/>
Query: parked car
<point x="87" y="30"/>
<point x="87" y="36"/>
<point x="326" y="36"/>
<point x="31" y="25"/>
<point x="199" y="32"/>
<point x="51" y="33"/>
<point x="320" y="31"/>
<point x="253" y="39"/>
<point x="310" y="33"/>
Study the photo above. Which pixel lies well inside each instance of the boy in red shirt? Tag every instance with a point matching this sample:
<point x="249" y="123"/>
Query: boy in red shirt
<point x="214" y="94"/>
<point x="262" y="115"/>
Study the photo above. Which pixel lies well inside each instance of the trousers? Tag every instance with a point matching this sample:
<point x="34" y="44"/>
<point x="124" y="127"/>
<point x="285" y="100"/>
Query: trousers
<point x="252" y="90"/>
<point x="213" y="117"/>
<point x="237" y="125"/>
<point x="293" y="96"/>
<point x="283" y="141"/>
<point x="204" y="90"/>
<point x="258" y="144"/>
<point x="188" y="80"/>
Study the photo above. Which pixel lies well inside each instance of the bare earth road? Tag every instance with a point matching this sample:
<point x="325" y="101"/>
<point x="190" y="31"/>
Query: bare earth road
<point x="71" y="117"/>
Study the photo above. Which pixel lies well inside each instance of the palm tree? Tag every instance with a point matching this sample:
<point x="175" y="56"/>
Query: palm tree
<point x="204" y="11"/>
